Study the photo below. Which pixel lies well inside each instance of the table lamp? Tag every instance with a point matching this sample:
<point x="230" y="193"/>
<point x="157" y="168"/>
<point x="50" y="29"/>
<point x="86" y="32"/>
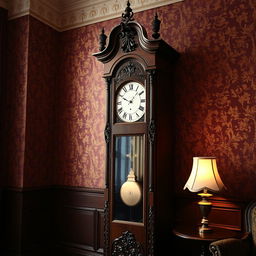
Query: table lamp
<point x="204" y="176"/>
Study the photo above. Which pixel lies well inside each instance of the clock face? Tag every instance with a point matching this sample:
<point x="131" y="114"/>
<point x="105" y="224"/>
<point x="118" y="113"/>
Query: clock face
<point x="131" y="102"/>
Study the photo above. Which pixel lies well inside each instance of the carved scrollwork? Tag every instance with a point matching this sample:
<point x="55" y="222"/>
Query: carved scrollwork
<point x="106" y="228"/>
<point x="151" y="217"/>
<point x="151" y="131"/>
<point x="214" y="250"/>
<point x="127" y="35"/>
<point x="126" y="245"/>
<point x="130" y="69"/>
<point x="107" y="133"/>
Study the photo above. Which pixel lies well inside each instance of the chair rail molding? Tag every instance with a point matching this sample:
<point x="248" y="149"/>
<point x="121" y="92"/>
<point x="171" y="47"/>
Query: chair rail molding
<point x="63" y="15"/>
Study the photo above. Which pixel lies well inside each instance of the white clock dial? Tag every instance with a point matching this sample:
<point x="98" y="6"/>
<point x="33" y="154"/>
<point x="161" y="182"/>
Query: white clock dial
<point x="131" y="102"/>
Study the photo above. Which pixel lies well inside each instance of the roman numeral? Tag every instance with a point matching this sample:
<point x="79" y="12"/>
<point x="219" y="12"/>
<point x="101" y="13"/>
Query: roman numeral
<point x="120" y="110"/>
<point x="131" y="86"/>
<point x="141" y="92"/>
<point x="130" y="117"/>
<point x="124" y="88"/>
<point x="119" y="103"/>
<point x="124" y="115"/>
<point x="142" y="100"/>
<point x="141" y="108"/>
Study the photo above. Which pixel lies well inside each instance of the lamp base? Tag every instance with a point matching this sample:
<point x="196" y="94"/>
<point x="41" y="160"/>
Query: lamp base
<point x="205" y="208"/>
<point x="205" y="229"/>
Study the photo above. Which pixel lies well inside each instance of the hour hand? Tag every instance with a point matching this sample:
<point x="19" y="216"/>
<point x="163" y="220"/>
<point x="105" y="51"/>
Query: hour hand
<point x="126" y="99"/>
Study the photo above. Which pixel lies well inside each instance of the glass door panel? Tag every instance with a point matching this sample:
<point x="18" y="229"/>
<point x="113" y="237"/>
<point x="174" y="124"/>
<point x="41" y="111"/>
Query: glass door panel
<point x="128" y="178"/>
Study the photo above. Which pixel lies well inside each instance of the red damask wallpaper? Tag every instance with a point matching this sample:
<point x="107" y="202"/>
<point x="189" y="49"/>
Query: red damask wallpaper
<point x="43" y="56"/>
<point x="15" y="105"/>
<point x="80" y="111"/>
<point x="215" y="96"/>
<point x="30" y="97"/>
<point x="215" y="107"/>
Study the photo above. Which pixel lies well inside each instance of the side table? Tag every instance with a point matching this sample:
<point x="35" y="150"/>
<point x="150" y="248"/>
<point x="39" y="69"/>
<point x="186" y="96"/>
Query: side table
<point x="192" y="233"/>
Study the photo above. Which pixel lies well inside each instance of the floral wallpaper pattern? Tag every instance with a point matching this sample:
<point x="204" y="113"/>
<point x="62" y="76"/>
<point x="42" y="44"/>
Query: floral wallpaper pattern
<point x="15" y="93"/>
<point x="40" y="107"/>
<point x="29" y="112"/>
<point x="215" y="96"/>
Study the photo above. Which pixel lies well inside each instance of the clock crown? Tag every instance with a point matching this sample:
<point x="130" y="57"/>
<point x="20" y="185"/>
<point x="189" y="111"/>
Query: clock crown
<point x="127" y="15"/>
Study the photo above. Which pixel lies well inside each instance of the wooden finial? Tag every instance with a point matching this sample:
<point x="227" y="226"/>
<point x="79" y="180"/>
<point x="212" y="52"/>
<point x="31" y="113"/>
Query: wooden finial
<point x="127" y="15"/>
<point x="102" y="40"/>
<point x="156" y="27"/>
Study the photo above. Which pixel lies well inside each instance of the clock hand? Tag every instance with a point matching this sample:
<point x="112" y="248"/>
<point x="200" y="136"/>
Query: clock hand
<point x="131" y="101"/>
<point x="126" y="99"/>
<point x="134" y="96"/>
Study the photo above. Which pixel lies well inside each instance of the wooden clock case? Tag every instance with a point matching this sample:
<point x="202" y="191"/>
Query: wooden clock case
<point x="131" y="56"/>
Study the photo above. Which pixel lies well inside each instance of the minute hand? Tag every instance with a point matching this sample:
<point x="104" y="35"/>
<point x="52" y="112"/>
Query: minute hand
<point x="134" y="96"/>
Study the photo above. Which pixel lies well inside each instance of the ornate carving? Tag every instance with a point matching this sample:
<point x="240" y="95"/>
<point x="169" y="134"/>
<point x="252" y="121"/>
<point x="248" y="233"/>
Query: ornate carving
<point x="106" y="228"/>
<point x="151" y="216"/>
<point x="107" y="133"/>
<point x="127" y="33"/>
<point x="127" y="38"/>
<point x="151" y="131"/>
<point x="214" y="250"/>
<point x="102" y="40"/>
<point x="129" y="69"/>
<point x="127" y="15"/>
<point x="156" y="27"/>
<point x="126" y="245"/>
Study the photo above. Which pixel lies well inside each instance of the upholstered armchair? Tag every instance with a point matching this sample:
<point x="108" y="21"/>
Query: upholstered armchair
<point x="239" y="247"/>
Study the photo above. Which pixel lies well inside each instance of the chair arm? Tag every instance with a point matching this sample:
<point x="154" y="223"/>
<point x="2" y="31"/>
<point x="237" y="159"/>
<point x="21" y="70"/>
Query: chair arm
<point x="231" y="246"/>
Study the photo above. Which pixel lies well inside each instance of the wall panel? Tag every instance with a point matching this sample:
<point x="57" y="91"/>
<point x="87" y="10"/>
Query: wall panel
<point x="53" y="220"/>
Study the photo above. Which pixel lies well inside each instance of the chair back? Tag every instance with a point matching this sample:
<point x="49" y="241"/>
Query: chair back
<point x="250" y="222"/>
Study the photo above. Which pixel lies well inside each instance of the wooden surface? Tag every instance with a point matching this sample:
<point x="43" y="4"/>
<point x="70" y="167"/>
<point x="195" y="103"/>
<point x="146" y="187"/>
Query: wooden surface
<point x="194" y="244"/>
<point x="192" y="233"/>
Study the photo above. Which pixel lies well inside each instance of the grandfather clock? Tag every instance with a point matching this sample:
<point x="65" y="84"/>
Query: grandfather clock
<point x="139" y="138"/>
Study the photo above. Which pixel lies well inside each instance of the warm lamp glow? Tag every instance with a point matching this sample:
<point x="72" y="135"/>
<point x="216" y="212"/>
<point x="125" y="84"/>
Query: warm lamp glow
<point x="204" y="176"/>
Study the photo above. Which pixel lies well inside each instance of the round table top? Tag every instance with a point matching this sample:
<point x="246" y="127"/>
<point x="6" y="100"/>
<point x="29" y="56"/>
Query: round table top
<point x="192" y="232"/>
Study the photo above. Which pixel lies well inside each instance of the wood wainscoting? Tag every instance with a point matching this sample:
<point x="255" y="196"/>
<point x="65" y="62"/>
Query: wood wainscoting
<point x="69" y="221"/>
<point x="79" y="221"/>
<point x="52" y="221"/>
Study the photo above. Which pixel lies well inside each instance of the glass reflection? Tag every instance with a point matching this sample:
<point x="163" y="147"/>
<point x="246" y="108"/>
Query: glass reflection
<point x="128" y="156"/>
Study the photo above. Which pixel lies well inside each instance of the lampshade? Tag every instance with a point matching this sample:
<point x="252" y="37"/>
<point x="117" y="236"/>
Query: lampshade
<point x="204" y="175"/>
